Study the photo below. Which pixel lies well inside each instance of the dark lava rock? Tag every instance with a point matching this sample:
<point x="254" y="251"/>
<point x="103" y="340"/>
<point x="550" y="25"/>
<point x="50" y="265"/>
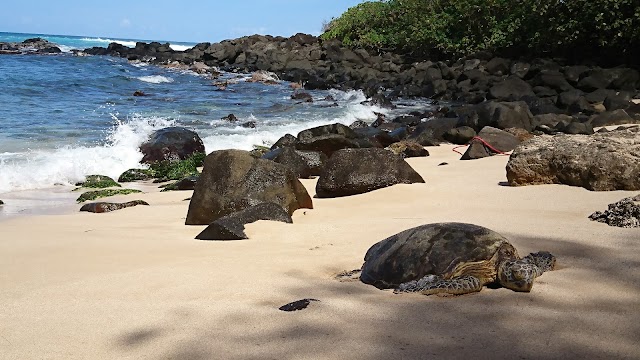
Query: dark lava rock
<point x="301" y="95"/>
<point x="427" y="249"/>
<point x="432" y="132"/>
<point x="327" y="139"/>
<point x="497" y="139"/>
<point x="230" y="118"/>
<point x="357" y="171"/>
<point x="624" y="213"/>
<point x="297" y="305"/>
<point x="578" y="128"/>
<point x="172" y="144"/>
<point x="460" y="135"/>
<point x="616" y="117"/>
<point x="304" y="163"/>
<point x="285" y="141"/>
<point x="231" y="227"/>
<point x="139" y="93"/>
<point x="511" y="89"/>
<point x="188" y="183"/>
<point x="233" y="180"/>
<point x="358" y="124"/>
<point x="103" y="207"/>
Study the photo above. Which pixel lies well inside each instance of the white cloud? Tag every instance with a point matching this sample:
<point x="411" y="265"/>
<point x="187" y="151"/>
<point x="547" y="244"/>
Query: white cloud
<point x="125" y="23"/>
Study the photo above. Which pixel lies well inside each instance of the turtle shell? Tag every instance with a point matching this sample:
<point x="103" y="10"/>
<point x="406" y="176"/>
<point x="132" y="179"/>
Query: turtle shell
<point x="429" y="249"/>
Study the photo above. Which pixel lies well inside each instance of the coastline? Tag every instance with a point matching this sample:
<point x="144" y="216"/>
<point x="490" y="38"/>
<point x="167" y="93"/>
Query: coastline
<point x="135" y="284"/>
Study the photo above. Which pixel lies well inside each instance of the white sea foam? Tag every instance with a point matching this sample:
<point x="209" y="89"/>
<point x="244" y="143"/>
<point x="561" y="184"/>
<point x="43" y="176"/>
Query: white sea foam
<point x="180" y="47"/>
<point x="130" y="44"/>
<point x="68" y="165"/>
<point x="155" y="79"/>
<point x="270" y="130"/>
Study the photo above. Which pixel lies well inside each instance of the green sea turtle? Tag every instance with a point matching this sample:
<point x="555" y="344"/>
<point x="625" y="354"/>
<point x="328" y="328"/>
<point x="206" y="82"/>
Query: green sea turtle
<point x="451" y="258"/>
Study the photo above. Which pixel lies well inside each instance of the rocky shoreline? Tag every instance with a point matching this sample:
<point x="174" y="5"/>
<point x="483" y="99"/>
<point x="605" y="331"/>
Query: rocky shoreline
<point x="29" y="46"/>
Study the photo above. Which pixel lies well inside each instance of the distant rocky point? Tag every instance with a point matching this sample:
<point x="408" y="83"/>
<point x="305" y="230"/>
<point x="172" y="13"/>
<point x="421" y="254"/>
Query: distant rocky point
<point x="28" y="46"/>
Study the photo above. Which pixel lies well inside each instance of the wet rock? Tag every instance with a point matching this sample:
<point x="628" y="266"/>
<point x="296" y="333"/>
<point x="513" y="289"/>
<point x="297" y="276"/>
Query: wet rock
<point x="98" y="182"/>
<point x="230" y="118"/>
<point x="171" y="144"/>
<point x="303" y="96"/>
<point x="139" y="93"/>
<point x="357" y="171"/>
<point x="136" y="175"/>
<point x="231" y="226"/>
<point x="233" y="180"/>
<point x="285" y="141"/>
<point x="103" y="207"/>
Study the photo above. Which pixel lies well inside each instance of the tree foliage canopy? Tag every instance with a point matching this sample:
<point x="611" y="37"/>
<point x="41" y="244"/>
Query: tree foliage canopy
<point x="568" y="28"/>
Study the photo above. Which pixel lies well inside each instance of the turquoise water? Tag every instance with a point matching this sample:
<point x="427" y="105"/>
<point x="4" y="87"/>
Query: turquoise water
<point x="67" y="42"/>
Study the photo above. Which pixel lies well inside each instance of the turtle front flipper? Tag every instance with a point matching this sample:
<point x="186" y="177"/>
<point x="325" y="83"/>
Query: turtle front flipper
<point x="432" y="284"/>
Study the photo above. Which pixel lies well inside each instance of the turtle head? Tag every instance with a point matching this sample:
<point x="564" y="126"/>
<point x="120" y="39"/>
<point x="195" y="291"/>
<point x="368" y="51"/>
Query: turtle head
<point x="518" y="275"/>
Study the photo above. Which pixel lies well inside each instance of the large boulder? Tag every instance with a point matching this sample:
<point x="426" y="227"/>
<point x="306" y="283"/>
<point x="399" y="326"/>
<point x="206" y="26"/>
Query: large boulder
<point x="600" y="162"/>
<point x="490" y="141"/>
<point x="501" y="115"/>
<point x="231" y="227"/>
<point x="172" y="144"/>
<point x="233" y="180"/>
<point x="327" y="139"/>
<point x="357" y="171"/>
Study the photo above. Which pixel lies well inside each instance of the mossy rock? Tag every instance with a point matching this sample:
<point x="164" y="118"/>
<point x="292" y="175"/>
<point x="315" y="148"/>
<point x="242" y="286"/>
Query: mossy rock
<point x="136" y="175"/>
<point x="98" y="182"/>
<point x="96" y="194"/>
<point x="177" y="170"/>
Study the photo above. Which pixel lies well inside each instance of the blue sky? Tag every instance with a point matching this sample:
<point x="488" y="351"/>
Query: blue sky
<point x="189" y="21"/>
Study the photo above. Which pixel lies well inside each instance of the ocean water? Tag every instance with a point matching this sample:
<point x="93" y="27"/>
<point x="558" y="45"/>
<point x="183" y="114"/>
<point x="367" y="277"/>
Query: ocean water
<point x="65" y="117"/>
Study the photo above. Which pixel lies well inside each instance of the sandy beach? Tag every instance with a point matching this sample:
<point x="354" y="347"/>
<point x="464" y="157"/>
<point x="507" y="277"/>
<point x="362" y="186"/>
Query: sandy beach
<point x="134" y="284"/>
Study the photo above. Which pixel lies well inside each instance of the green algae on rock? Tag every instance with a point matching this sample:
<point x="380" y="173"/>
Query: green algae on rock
<point x="96" y="194"/>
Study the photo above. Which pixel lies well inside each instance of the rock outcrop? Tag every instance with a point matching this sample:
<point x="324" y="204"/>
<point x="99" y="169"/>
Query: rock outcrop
<point x="357" y="171"/>
<point x="600" y="162"/>
<point x="231" y="227"/>
<point x="233" y="180"/>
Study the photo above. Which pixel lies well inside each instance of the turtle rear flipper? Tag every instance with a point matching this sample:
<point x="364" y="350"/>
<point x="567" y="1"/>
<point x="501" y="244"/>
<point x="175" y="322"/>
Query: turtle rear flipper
<point x="432" y="284"/>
